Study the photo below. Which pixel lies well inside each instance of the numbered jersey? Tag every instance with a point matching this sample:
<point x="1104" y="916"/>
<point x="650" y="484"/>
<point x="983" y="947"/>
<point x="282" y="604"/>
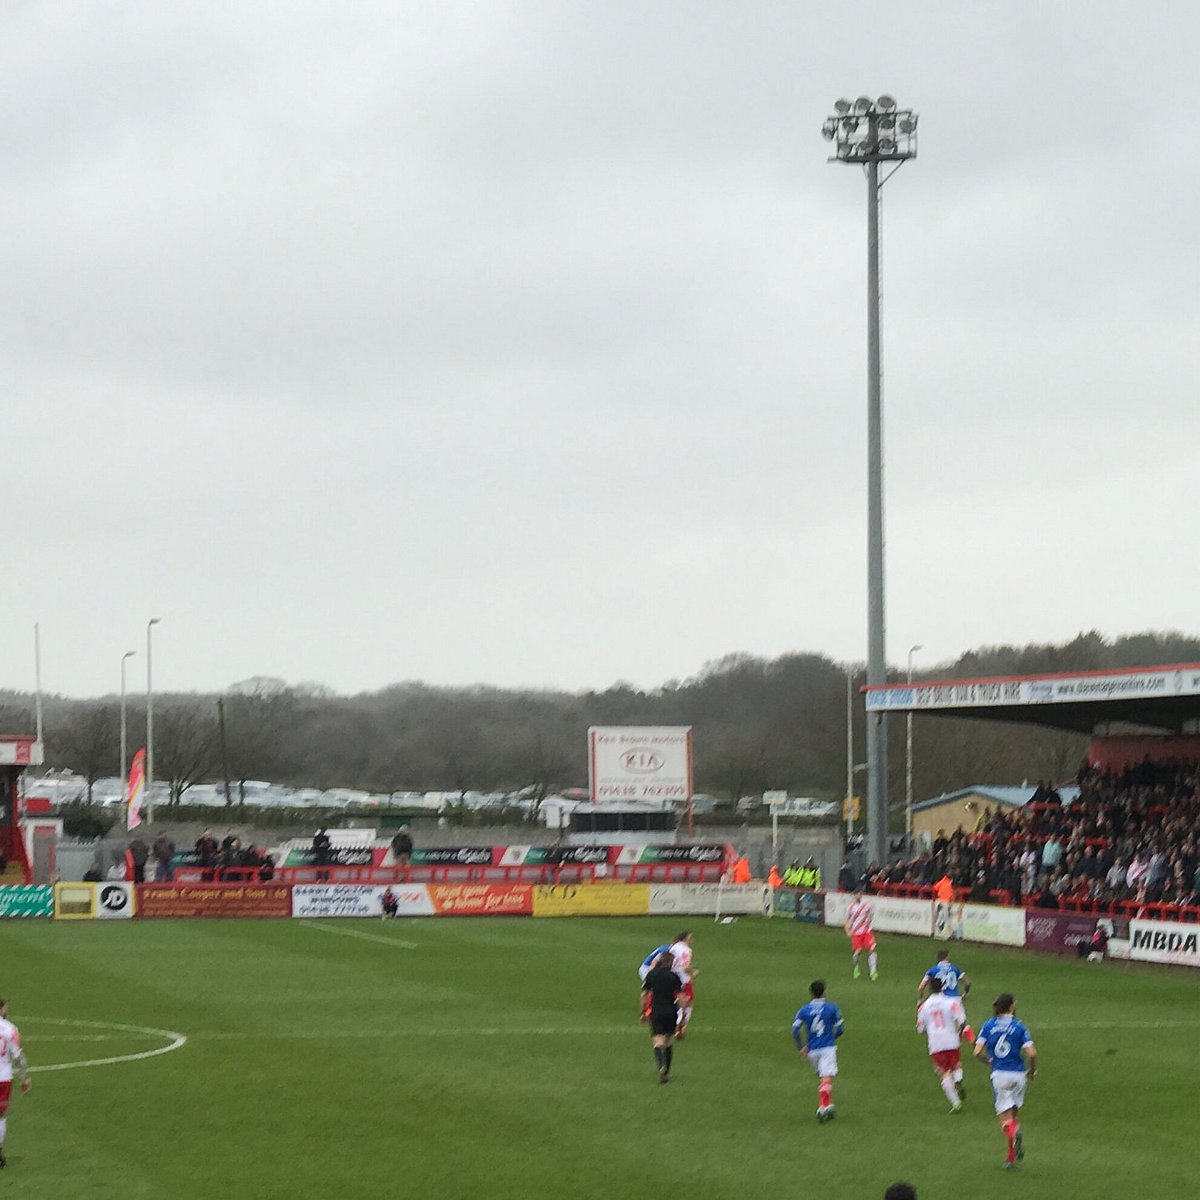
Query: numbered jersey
<point x="860" y="917"/>
<point x="949" y="974"/>
<point x="820" y="1022"/>
<point x="941" y="1019"/>
<point x="10" y="1048"/>
<point x="1005" y="1038"/>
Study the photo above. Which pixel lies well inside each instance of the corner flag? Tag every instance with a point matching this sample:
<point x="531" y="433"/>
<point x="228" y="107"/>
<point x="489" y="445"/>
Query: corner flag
<point x="133" y="795"/>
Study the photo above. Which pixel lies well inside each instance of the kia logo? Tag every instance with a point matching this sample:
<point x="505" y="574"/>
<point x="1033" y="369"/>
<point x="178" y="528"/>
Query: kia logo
<point x="641" y="761"/>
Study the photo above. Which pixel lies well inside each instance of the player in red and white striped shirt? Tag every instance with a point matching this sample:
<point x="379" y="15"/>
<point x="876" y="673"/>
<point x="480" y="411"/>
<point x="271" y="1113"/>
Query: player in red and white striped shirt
<point x="860" y="917"/>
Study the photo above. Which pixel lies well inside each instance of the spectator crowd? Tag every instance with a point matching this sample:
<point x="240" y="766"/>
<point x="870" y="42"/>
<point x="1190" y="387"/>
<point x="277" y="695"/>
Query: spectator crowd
<point x="1130" y="835"/>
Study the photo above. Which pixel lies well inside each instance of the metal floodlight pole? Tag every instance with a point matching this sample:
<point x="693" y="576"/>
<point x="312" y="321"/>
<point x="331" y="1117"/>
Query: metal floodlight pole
<point x="849" y="751"/>
<point x="908" y="753"/>
<point x="150" y="721"/>
<point x="868" y="132"/>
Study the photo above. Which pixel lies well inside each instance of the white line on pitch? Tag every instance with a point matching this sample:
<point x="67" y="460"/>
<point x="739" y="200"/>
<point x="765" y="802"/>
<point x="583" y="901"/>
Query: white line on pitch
<point x="366" y="937"/>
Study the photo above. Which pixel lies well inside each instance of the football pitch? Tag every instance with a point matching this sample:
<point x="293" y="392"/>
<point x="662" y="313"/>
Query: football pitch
<point x="496" y="1058"/>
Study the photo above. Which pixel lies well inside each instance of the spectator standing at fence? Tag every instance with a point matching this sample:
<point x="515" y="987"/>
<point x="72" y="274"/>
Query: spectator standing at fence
<point x="774" y="879"/>
<point x="117" y="870"/>
<point x="92" y="874"/>
<point x="322" y="849"/>
<point x="139" y="852"/>
<point x="402" y="847"/>
<point x="207" y="851"/>
<point x="12" y="1060"/>
<point x="741" y="870"/>
<point x="845" y="878"/>
<point x="163" y="851"/>
<point x="231" y="857"/>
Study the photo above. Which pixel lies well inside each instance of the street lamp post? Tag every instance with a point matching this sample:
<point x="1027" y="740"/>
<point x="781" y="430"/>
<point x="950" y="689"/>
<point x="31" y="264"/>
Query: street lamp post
<point x="908" y="788"/>
<point x="150" y="721"/>
<point x="866" y="133"/>
<point x="124" y="775"/>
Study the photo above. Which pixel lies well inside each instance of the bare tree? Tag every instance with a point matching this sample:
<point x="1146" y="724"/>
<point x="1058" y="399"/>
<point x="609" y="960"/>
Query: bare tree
<point x="88" y="742"/>
<point x="185" y="746"/>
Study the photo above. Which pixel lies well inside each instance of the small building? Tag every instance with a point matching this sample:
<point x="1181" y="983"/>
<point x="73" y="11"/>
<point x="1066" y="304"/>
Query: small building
<point x="968" y="806"/>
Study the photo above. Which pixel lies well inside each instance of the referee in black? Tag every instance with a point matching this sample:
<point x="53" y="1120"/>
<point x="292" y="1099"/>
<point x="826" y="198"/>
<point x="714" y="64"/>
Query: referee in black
<point x="660" y="987"/>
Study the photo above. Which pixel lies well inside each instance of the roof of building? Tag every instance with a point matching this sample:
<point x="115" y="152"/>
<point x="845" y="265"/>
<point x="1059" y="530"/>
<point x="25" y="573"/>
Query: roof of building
<point x="1010" y="797"/>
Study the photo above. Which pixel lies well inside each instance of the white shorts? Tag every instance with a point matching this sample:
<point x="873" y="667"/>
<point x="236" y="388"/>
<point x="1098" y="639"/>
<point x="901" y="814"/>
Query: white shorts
<point x="1009" y="1089"/>
<point x="824" y="1061"/>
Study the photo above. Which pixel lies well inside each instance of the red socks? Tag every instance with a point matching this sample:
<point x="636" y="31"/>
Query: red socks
<point x="1010" y="1132"/>
<point x="826" y="1095"/>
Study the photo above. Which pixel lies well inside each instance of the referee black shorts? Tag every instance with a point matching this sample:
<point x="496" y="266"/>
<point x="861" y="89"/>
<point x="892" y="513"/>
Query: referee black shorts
<point x="663" y="1022"/>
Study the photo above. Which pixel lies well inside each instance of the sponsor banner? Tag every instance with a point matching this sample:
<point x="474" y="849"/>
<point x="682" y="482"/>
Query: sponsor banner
<point x="997" y="926"/>
<point x="22" y="901"/>
<point x="213" y="900"/>
<point x="784" y="903"/>
<point x="627" y="762"/>
<point x="592" y="900"/>
<point x="482" y="899"/>
<point x="630" y="856"/>
<point x="74" y="901"/>
<point x="114" y="901"/>
<point x="339" y="856"/>
<point x="1062" y="932"/>
<point x="809" y="907"/>
<point x="1165" y="942"/>
<point x="707" y="899"/>
<point x="453" y="856"/>
<point x="1150" y="683"/>
<point x="338" y="900"/>
<point x="892" y="915"/>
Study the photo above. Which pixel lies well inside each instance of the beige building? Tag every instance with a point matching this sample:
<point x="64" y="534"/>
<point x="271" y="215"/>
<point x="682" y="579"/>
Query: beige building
<point x="970" y="807"/>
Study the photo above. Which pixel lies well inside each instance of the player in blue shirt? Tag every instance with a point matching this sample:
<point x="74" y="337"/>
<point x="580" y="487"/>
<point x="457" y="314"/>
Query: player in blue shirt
<point x="955" y="983"/>
<point x="1008" y="1047"/>
<point x="816" y="1029"/>
<point x="648" y="961"/>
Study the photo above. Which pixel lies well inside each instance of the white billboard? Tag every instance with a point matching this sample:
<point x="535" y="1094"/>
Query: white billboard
<point x="1165" y="942"/>
<point x="892" y="914"/>
<point x="707" y="899"/>
<point x="630" y="762"/>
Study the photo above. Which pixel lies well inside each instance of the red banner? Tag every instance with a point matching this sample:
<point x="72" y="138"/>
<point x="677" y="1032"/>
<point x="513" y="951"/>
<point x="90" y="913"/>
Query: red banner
<point x="482" y="899"/>
<point x="214" y="900"/>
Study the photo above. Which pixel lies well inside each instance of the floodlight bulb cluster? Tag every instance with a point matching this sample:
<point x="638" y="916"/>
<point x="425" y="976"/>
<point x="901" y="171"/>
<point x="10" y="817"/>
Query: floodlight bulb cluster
<point x="867" y="130"/>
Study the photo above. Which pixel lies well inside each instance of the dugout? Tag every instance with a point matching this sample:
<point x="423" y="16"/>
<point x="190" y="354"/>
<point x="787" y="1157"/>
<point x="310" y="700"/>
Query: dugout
<point x="17" y="752"/>
<point x="1130" y="714"/>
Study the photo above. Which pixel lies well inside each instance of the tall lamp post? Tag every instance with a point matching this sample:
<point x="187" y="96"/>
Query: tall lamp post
<point x="908" y="791"/>
<point x="150" y="721"/>
<point x="867" y="133"/>
<point x="124" y="775"/>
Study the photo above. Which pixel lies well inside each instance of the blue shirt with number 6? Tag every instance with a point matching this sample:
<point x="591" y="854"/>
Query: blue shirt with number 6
<point x="1005" y="1037"/>
<point x="821" y="1023"/>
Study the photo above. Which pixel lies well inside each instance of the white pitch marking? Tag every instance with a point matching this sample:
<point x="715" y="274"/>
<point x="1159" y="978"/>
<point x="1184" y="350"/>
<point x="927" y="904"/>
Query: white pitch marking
<point x="175" y="1040"/>
<point x="366" y="937"/>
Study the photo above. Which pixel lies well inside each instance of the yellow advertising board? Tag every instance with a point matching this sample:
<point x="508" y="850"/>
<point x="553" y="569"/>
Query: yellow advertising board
<point x="592" y="900"/>
<point x="75" y="901"/>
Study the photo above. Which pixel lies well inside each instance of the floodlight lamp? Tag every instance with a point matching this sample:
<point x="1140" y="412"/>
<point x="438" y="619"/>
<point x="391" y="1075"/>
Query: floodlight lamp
<point x="863" y="104"/>
<point x="885" y="103"/>
<point x="849" y="124"/>
<point x="908" y="124"/>
<point x="841" y="106"/>
<point x="887" y="145"/>
<point x="829" y="129"/>
<point x="887" y="121"/>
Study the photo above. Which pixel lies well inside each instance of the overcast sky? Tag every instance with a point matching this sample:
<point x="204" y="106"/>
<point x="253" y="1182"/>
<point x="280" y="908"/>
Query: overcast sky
<point x="524" y="343"/>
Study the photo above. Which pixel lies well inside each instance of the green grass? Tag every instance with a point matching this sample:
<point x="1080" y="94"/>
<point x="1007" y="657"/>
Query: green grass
<point x="503" y="1058"/>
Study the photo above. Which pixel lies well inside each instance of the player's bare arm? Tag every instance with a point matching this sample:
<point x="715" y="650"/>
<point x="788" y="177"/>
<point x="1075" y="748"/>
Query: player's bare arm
<point x="981" y="1051"/>
<point x="1030" y="1059"/>
<point x="22" y="1068"/>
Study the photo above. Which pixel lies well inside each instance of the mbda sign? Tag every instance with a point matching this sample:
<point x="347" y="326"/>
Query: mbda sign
<point x="1165" y="942"/>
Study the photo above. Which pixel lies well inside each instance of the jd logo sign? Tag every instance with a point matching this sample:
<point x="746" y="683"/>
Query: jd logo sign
<point x="114" y="899"/>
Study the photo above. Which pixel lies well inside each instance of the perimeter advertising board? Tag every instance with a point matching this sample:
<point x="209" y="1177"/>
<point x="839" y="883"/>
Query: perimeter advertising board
<point x="413" y="900"/>
<point x="891" y="915"/>
<point x="1165" y="942"/>
<point x="707" y="899"/>
<point x="214" y="900"/>
<point x="996" y="926"/>
<point x="592" y="900"/>
<point x="649" y="762"/>
<point x="35" y="900"/>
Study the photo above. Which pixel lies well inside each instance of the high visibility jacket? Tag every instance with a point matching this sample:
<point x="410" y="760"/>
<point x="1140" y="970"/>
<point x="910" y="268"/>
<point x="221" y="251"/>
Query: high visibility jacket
<point x="775" y="879"/>
<point x="792" y="876"/>
<point x="741" y="870"/>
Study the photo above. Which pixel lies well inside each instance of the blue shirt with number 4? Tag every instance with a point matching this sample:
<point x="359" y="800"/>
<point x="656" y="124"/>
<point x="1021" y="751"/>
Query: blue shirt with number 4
<point x="1005" y="1036"/>
<point x="821" y="1023"/>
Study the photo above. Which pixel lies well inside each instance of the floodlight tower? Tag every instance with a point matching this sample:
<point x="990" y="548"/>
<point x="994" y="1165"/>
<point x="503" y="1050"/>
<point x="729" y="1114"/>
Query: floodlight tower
<point x="866" y="133"/>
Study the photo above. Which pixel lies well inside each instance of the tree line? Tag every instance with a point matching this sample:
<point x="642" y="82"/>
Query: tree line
<point x="758" y="724"/>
